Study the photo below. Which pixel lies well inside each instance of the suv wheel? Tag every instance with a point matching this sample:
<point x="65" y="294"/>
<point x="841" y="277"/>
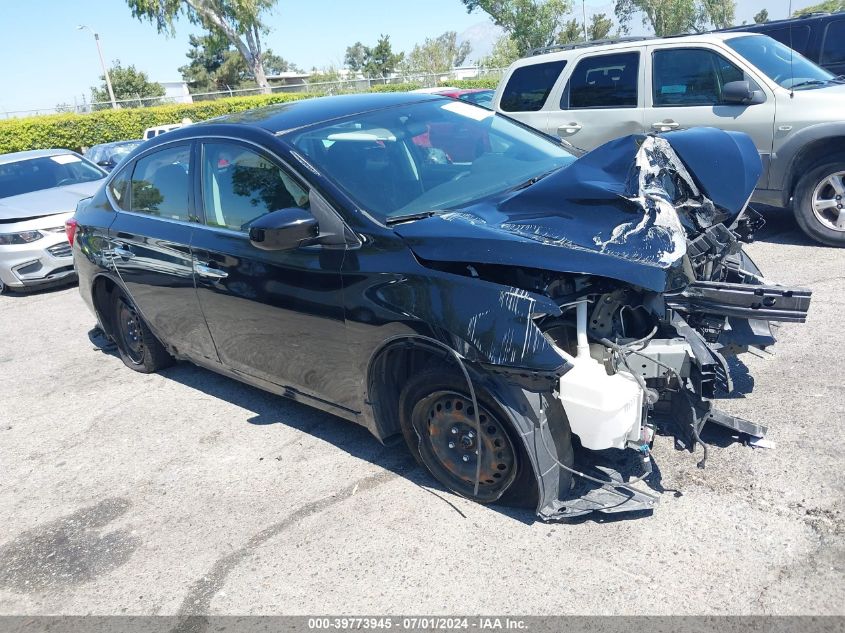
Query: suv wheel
<point x="819" y="203"/>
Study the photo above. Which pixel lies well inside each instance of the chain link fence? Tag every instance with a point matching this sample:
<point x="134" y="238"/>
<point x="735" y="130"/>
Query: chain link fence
<point x="341" y="86"/>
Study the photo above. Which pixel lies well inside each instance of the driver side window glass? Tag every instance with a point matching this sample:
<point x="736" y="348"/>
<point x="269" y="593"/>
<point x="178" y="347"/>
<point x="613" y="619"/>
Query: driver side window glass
<point x="240" y="185"/>
<point x="692" y="77"/>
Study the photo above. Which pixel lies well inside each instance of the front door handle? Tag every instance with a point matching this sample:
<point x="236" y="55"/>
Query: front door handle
<point x="665" y="126"/>
<point x="123" y="253"/>
<point x="568" y="129"/>
<point x="204" y="270"/>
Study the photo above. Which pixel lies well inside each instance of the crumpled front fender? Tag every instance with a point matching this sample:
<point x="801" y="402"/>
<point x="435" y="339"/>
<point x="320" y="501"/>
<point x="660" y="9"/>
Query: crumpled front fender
<point x="483" y="321"/>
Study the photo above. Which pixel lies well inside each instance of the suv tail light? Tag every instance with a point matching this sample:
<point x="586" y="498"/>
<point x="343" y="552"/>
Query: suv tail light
<point x="70" y="229"/>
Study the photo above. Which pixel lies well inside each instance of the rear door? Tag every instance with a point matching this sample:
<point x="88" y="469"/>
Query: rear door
<point x="601" y="99"/>
<point x="686" y="91"/>
<point x="527" y="90"/>
<point x="274" y="315"/>
<point x="149" y="246"/>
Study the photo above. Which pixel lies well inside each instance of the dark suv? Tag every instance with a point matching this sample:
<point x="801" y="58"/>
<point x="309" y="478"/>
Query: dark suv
<point x="819" y="37"/>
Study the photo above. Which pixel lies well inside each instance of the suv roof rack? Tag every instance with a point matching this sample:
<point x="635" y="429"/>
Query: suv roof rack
<point x="611" y="40"/>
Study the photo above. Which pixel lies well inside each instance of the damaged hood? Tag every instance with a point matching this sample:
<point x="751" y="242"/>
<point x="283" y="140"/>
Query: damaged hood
<point x="46" y="201"/>
<point x="623" y="211"/>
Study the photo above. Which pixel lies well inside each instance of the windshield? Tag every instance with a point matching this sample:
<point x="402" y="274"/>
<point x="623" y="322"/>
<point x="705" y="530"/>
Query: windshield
<point x="782" y="64"/>
<point x="119" y="152"/>
<point x="45" y="172"/>
<point x="427" y="156"/>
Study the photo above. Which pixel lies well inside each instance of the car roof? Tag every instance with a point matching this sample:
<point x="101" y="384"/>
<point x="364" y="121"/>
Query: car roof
<point x="291" y="115"/>
<point x="116" y="143"/>
<point x="798" y="19"/>
<point x="33" y="153"/>
<point x="554" y="53"/>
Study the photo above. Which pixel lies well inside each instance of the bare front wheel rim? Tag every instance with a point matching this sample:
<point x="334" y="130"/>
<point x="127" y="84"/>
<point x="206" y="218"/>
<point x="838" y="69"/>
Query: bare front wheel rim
<point x="451" y="448"/>
<point x="829" y="201"/>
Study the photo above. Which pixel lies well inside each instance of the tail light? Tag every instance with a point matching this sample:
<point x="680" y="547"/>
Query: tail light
<point x="70" y="229"/>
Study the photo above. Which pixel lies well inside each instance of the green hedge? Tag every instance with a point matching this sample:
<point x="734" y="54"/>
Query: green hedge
<point x="395" y="87"/>
<point x="465" y="84"/>
<point x="74" y="131"/>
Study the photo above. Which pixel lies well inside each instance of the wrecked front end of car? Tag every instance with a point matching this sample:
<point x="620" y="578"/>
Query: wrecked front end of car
<point x="623" y="288"/>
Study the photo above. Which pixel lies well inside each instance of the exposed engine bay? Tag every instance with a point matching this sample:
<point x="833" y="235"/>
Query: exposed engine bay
<point x="653" y="293"/>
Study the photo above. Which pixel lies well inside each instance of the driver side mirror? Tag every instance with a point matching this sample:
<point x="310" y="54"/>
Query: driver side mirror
<point x="284" y="229"/>
<point x="740" y="92"/>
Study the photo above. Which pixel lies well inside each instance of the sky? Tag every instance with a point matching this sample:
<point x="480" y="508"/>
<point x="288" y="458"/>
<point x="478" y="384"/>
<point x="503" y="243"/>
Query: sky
<point x="46" y="60"/>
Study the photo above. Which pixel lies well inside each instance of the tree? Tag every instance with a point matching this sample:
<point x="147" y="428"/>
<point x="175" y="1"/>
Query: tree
<point x="529" y="23"/>
<point x="437" y="55"/>
<point x="216" y="65"/>
<point x="356" y="57"/>
<point x="239" y="21"/>
<point x="207" y="55"/>
<point x="128" y="83"/>
<point x="762" y="16"/>
<point x="323" y="75"/>
<point x="599" y="26"/>
<point x="381" y="61"/>
<point x="504" y="53"/>
<point x="828" y="6"/>
<point x="669" y="17"/>
<point x="573" y="31"/>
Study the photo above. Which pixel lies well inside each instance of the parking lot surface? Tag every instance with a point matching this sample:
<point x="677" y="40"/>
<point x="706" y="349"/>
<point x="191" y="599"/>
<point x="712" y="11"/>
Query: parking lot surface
<point x="186" y="492"/>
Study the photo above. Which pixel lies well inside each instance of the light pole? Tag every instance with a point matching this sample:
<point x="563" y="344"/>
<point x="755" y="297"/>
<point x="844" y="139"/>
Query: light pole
<point x="102" y="63"/>
<point x="584" y="13"/>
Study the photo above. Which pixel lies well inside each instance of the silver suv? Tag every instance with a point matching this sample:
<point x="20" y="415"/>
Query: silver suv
<point x="792" y="109"/>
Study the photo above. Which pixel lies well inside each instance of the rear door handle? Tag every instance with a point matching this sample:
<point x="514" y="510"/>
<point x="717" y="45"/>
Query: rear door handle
<point x="668" y="124"/>
<point x="569" y="128"/>
<point x="123" y="253"/>
<point x="204" y="270"/>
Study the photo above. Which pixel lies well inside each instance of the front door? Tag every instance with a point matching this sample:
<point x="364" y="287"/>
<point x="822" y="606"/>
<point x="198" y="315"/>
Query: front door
<point x="274" y="315"/>
<point x="149" y="246"/>
<point x="686" y="91"/>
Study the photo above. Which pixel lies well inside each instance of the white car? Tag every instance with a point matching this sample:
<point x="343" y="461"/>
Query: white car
<point x="152" y="132"/>
<point x="39" y="190"/>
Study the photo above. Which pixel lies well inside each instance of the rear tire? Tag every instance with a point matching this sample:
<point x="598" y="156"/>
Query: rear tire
<point x="819" y="203"/>
<point x="438" y="423"/>
<point x="138" y="347"/>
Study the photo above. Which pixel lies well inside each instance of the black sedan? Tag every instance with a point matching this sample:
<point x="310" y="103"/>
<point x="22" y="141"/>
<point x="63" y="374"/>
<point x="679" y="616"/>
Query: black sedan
<point x="426" y="267"/>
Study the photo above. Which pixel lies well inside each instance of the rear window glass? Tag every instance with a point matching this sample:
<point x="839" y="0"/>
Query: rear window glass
<point x="160" y="184"/>
<point x="795" y="38"/>
<point x="833" y="50"/>
<point x="529" y="86"/>
<point x="604" y="81"/>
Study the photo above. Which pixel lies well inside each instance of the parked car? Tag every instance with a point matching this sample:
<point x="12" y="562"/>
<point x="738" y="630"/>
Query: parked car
<point x="791" y="108"/>
<point x="485" y="310"/>
<point x="38" y="192"/>
<point x="820" y="37"/>
<point x="108" y="155"/>
<point x="478" y="96"/>
<point x="152" y="132"/>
